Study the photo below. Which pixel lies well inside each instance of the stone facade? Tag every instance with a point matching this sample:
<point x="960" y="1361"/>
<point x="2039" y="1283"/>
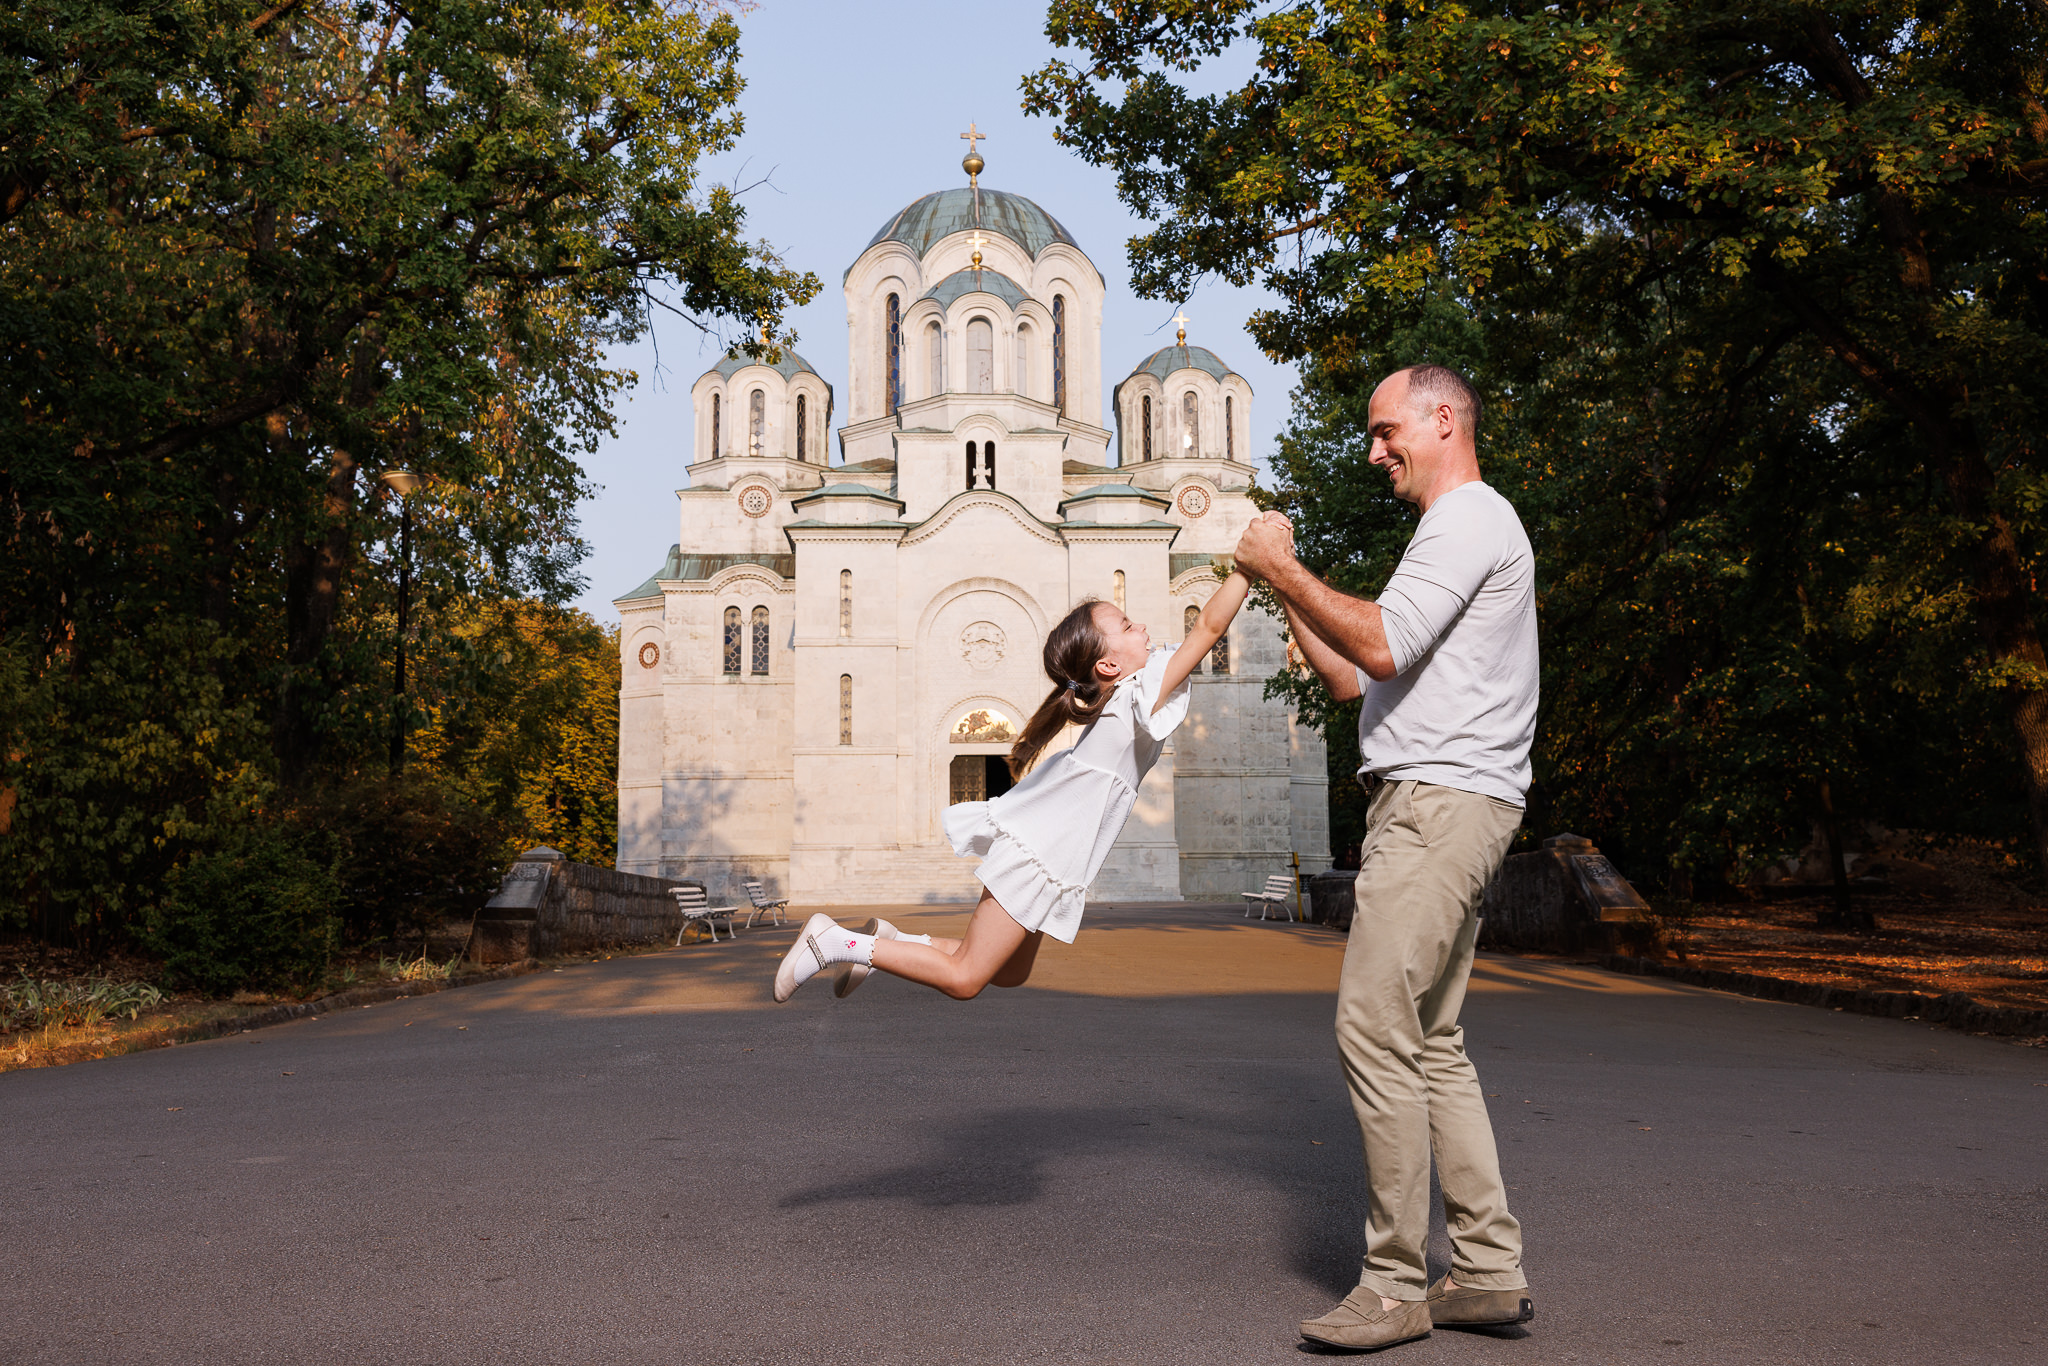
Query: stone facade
<point x="833" y="653"/>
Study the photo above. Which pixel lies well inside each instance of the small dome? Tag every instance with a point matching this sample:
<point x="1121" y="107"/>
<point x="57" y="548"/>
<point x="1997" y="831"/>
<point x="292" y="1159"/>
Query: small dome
<point x="977" y="281"/>
<point x="789" y="367"/>
<point x="950" y="211"/>
<point x="1168" y="359"/>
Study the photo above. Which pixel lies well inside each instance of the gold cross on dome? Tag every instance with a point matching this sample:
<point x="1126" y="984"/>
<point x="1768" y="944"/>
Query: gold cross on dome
<point x="1180" y="322"/>
<point x="977" y="241"/>
<point x="971" y="137"/>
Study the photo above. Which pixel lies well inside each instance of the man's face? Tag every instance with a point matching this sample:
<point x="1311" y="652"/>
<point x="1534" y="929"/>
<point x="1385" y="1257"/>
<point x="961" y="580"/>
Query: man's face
<point x="1405" y="443"/>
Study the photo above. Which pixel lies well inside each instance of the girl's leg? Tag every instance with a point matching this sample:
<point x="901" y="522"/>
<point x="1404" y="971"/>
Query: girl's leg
<point x="994" y="945"/>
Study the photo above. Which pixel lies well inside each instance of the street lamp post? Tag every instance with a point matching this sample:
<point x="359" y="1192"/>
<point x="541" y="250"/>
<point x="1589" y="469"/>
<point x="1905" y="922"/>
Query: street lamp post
<point x="401" y="482"/>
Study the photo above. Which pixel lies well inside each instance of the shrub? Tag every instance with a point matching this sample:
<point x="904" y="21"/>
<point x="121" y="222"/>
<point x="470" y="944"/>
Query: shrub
<point x="258" y="911"/>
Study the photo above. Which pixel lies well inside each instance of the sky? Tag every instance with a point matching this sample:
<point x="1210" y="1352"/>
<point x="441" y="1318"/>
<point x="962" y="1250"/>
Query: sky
<point x="853" y="111"/>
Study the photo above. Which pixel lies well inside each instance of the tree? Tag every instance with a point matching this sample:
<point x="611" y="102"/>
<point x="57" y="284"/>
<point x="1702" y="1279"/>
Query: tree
<point x="1832" y="216"/>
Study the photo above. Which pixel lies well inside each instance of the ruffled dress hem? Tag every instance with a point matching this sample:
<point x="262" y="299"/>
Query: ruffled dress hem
<point x="1018" y="879"/>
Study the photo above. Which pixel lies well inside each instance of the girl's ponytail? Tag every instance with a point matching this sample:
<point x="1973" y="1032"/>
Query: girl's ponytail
<point x="1071" y="651"/>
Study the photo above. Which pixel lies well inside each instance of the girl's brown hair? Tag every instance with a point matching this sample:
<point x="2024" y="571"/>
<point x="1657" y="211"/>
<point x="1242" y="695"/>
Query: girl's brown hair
<point x="1077" y="696"/>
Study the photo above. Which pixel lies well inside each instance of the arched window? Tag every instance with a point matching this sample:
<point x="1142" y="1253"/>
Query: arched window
<point x="760" y="640"/>
<point x="935" y="357"/>
<point x="757" y="422"/>
<point x="846" y="602"/>
<point x="988" y="464"/>
<point x="732" y="640"/>
<point x="1145" y="427"/>
<point x="1219" y="656"/>
<point x="1020" y="377"/>
<point x="973" y="466"/>
<point x="714" y="427"/>
<point x="1190" y="425"/>
<point x="801" y="433"/>
<point x="1229" y="431"/>
<point x="894" y="345"/>
<point x="1116" y="590"/>
<point x="1059" y="352"/>
<point x="1187" y="628"/>
<point x="981" y="357"/>
<point x="846" y="709"/>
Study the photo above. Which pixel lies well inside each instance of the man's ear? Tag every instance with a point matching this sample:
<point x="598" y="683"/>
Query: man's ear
<point x="1446" y="421"/>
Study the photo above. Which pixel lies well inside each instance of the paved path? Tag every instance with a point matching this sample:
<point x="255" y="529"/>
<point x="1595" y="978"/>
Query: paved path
<point x="1145" y="1156"/>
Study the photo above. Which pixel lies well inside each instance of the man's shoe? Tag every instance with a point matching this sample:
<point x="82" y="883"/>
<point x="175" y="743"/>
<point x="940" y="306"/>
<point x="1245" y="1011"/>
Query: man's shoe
<point x="847" y="976"/>
<point x="1360" y="1324"/>
<point x="1469" y="1307"/>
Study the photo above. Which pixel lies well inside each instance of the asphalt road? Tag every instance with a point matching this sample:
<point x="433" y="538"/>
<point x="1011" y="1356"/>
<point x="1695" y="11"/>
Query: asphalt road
<point x="1144" y="1156"/>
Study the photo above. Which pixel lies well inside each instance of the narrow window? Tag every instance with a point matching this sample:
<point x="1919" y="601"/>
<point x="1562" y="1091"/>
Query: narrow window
<point x="846" y="709"/>
<point x="801" y="446"/>
<point x="732" y="640"/>
<point x="757" y="422"/>
<point x="1187" y="628"/>
<point x="1059" y="353"/>
<point x="1145" y="426"/>
<point x="895" y="347"/>
<point x="973" y="467"/>
<point x="760" y="640"/>
<point x="981" y="357"/>
<point x="1020" y="377"/>
<point x="1219" y="658"/>
<point x="846" y="602"/>
<point x="988" y="464"/>
<point x="935" y="357"/>
<point x="1190" y="427"/>
<point x="714" y="426"/>
<point x="1229" y="431"/>
<point x="1117" y="589"/>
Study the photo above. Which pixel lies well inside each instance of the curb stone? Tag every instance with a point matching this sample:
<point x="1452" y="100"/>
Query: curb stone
<point x="345" y="1000"/>
<point x="1953" y="1009"/>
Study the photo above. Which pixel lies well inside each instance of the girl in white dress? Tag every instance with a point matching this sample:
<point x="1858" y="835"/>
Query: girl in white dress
<point x="1042" y="842"/>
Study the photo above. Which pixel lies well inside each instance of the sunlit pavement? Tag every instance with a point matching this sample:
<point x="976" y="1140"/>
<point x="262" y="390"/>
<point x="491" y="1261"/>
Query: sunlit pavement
<point x="1143" y="1156"/>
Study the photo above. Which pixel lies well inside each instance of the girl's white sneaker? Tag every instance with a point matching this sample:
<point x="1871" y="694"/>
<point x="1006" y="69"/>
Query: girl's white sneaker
<point x="804" y="958"/>
<point x="847" y="976"/>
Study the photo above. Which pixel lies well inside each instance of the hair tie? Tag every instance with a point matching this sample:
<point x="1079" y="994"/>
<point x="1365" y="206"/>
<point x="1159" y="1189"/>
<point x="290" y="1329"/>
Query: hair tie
<point x="1072" y="686"/>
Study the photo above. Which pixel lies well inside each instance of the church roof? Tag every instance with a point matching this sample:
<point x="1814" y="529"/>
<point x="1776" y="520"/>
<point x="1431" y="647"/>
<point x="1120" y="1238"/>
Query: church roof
<point x="789" y="367"/>
<point x="949" y="211"/>
<point x="681" y="566"/>
<point x="971" y="281"/>
<point x="1168" y="359"/>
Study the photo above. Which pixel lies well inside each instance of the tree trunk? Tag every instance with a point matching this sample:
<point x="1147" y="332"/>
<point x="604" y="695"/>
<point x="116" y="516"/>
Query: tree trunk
<point x="313" y="580"/>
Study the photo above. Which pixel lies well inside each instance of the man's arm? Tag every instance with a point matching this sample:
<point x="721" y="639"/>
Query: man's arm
<point x="1350" y="627"/>
<point x="1337" y="672"/>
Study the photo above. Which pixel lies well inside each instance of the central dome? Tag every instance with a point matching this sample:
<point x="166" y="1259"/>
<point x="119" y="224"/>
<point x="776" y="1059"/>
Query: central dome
<point x="950" y="211"/>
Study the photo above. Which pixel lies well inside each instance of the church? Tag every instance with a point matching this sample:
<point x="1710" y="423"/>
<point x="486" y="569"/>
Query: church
<point x="833" y="652"/>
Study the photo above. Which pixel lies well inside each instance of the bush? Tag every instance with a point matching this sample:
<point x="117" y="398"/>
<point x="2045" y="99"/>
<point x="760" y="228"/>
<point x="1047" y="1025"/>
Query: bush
<point x="258" y="911"/>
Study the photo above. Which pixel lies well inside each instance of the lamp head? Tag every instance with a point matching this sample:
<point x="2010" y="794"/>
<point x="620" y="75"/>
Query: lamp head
<point x="400" y="482"/>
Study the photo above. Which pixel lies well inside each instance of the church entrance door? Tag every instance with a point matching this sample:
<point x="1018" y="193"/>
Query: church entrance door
<point x="979" y="777"/>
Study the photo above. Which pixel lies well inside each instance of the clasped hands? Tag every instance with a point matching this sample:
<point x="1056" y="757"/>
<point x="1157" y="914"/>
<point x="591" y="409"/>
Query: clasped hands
<point x="1266" y="546"/>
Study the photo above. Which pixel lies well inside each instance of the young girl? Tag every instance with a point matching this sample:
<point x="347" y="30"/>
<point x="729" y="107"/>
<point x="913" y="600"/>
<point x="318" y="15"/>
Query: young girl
<point x="1042" y="842"/>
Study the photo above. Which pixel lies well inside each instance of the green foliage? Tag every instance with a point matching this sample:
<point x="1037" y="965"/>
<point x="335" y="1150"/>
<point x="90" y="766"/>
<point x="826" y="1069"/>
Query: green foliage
<point x="1755" y="299"/>
<point x="255" y="911"/>
<point x="32" y="1003"/>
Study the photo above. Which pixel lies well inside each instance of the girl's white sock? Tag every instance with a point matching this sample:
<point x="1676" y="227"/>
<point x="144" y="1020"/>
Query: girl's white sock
<point x="836" y="944"/>
<point x="923" y="939"/>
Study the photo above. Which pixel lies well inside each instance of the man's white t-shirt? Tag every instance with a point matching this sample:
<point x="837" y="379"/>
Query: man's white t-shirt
<point x="1460" y="617"/>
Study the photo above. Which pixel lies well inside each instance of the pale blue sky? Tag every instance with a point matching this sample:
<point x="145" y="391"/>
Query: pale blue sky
<point x="855" y="111"/>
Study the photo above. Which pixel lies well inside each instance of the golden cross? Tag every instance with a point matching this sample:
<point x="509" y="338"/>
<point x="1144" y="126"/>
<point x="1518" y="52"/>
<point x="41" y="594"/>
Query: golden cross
<point x="1180" y="321"/>
<point x="977" y="241"/>
<point x="970" y="137"/>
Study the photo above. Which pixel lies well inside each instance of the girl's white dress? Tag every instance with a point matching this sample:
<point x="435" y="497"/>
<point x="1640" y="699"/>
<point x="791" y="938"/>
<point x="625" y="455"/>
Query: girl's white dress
<point x="1042" y="842"/>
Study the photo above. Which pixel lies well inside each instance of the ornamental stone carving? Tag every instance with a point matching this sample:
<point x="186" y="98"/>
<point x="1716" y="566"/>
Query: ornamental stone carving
<point x="981" y="645"/>
<point x="756" y="500"/>
<point x="650" y="655"/>
<point x="1194" y="501"/>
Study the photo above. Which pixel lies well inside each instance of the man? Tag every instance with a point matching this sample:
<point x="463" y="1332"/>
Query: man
<point x="1446" y="663"/>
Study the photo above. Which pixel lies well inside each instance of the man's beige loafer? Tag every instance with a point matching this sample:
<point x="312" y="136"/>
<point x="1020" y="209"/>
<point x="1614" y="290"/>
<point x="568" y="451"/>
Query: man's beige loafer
<point x="1468" y="1307"/>
<point x="1361" y="1325"/>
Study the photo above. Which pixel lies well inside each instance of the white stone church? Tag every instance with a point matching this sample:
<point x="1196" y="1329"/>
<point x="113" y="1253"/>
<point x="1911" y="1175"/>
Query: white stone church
<point x="833" y="652"/>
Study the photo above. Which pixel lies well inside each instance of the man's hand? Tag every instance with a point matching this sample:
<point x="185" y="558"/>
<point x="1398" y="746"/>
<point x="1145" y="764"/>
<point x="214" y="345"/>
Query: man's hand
<point x="1266" y="546"/>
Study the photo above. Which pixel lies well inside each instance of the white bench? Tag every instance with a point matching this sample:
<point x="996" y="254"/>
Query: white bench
<point x="764" y="904"/>
<point x="1279" y="888"/>
<point x="697" y="910"/>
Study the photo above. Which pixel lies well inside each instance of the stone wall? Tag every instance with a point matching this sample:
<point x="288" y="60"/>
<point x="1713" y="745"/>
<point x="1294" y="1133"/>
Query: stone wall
<point x="548" y="906"/>
<point x="1564" y="898"/>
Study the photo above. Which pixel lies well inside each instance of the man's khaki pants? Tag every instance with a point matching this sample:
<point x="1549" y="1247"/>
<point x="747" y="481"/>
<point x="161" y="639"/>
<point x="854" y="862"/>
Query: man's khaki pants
<point x="1429" y="852"/>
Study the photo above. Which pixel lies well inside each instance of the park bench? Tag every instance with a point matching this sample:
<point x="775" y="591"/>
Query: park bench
<point x="764" y="904"/>
<point x="1279" y="888"/>
<point x="697" y="910"/>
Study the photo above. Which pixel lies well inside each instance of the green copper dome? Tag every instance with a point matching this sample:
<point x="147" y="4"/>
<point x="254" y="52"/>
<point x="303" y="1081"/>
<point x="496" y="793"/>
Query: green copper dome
<point x="962" y="282"/>
<point x="789" y="367"/>
<point x="1168" y="359"/>
<point x="950" y="211"/>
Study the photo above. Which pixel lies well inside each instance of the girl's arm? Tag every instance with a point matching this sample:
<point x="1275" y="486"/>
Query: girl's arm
<point x="1207" y="630"/>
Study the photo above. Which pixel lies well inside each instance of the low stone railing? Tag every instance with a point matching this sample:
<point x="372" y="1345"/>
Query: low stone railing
<point x="548" y="905"/>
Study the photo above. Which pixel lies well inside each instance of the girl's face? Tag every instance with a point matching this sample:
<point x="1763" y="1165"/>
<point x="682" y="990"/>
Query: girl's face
<point x="1126" y="643"/>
